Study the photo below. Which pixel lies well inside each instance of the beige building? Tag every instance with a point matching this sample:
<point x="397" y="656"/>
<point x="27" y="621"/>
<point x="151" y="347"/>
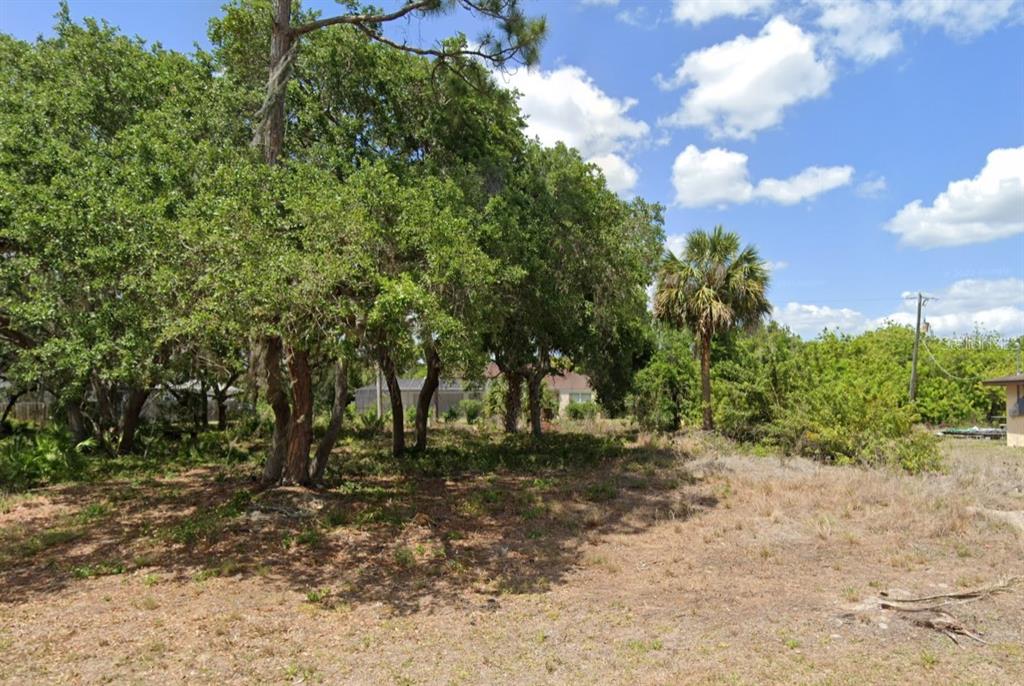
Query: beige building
<point x="571" y="388"/>
<point x="1014" y="384"/>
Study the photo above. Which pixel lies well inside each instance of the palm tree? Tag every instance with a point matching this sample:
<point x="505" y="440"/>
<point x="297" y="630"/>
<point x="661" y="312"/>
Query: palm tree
<point x="713" y="287"/>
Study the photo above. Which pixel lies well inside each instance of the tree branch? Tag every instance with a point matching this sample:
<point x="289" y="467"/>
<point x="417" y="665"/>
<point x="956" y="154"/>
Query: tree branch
<point x="408" y="8"/>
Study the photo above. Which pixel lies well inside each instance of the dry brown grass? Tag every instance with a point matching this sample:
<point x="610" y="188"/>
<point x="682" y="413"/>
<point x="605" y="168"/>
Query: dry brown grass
<point x="681" y="563"/>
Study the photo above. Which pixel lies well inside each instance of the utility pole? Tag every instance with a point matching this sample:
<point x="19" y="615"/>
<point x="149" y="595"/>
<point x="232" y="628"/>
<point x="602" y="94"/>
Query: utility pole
<point x="921" y="300"/>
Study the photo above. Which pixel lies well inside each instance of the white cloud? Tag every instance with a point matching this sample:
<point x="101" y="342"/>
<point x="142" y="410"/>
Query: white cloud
<point x="743" y="86"/>
<point x="619" y="174"/>
<point x="700" y="11"/>
<point x="977" y="210"/>
<point x="638" y="17"/>
<point x="810" y="320"/>
<point x="986" y="304"/>
<point x="600" y="2"/>
<point x="871" y="188"/>
<point x="961" y="18"/>
<point x="719" y="177"/>
<point x="776" y="265"/>
<point x="807" y="184"/>
<point x="863" y="31"/>
<point x="566" y="105"/>
<point x="870" y="30"/>
<point x="710" y="178"/>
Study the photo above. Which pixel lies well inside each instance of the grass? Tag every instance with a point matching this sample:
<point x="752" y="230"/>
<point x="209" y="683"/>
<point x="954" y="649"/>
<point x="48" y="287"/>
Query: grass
<point x="207" y="523"/>
<point x="91" y="571"/>
<point x="601" y="492"/>
<point x="638" y="646"/>
<point x="544" y="576"/>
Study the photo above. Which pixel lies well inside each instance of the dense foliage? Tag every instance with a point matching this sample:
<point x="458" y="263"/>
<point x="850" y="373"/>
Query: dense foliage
<point x="177" y="226"/>
<point x="837" y="397"/>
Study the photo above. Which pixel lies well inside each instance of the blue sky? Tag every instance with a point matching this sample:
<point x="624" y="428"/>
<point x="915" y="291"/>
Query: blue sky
<point x="868" y="149"/>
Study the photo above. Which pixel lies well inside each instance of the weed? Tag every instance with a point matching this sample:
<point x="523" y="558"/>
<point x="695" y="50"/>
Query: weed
<point x="928" y="659"/>
<point x="206" y="524"/>
<point x="601" y="492"/>
<point x="150" y="580"/>
<point x="404" y="557"/>
<point x="639" y="646"/>
<point x="98" y="569"/>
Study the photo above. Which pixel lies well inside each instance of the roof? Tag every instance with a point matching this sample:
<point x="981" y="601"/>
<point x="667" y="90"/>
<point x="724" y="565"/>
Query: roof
<point x="417" y="385"/>
<point x="566" y="382"/>
<point x="569" y="382"/>
<point x="1008" y="380"/>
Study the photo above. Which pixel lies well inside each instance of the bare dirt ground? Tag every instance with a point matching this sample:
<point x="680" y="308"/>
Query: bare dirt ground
<point x="674" y="564"/>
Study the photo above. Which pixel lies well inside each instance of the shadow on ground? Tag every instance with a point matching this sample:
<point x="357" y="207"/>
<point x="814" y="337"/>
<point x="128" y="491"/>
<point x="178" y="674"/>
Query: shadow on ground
<point x="473" y="518"/>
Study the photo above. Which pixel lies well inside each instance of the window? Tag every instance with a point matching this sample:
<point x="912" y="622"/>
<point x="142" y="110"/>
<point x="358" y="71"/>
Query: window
<point x="579" y="397"/>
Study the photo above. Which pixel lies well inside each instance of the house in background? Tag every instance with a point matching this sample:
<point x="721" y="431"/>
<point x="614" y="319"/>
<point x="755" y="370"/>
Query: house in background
<point x="1014" y="384"/>
<point x="570" y="387"/>
<point x="450" y="392"/>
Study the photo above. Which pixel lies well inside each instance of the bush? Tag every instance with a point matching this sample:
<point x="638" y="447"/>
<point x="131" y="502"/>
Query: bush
<point x="579" y="411"/>
<point x="471" y="409"/>
<point x="451" y="414"/>
<point x="916" y="453"/>
<point x="34" y="459"/>
<point x="371" y="424"/>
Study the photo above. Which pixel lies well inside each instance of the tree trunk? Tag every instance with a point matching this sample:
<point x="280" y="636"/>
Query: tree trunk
<point x="203" y="410"/>
<point x="76" y="422"/>
<point x="221" y="396"/>
<point x="269" y="356"/>
<point x="534" y="387"/>
<point x="300" y="433"/>
<point x="129" y="422"/>
<point x="395" y="394"/>
<point x="105" y="419"/>
<point x="513" y="401"/>
<point x="11" y="400"/>
<point x="330" y="437"/>
<point x="705" y="381"/>
<point x="430" y="384"/>
<point x="280" y="43"/>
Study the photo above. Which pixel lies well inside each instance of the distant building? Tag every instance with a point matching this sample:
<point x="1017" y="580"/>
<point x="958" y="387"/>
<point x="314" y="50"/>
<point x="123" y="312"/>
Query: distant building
<point x="450" y="392"/>
<point x="1014" y="384"/>
<point x="569" y="386"/>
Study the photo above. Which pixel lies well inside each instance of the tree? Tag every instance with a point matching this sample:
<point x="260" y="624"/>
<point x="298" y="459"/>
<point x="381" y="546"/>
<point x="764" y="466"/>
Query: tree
<point x="103" y="141"/>
<point x="713" y="287"/>
<point x="517" y="38"/>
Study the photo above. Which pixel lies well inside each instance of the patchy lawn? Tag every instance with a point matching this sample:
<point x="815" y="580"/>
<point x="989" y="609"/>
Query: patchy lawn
<point x="662" y="562"/>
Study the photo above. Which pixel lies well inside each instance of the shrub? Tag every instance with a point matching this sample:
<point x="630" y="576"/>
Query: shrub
<point x="471" y="409"/>
<point x="579" y="411"/>
<point x="451" y="414"/>
<point x="915" y="453"/>
<point x="33" y="459"/>
<point x="371" y="424"/>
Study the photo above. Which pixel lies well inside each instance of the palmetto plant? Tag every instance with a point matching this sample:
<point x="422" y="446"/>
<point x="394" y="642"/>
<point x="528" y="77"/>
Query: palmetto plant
<point x="712" y="287"/>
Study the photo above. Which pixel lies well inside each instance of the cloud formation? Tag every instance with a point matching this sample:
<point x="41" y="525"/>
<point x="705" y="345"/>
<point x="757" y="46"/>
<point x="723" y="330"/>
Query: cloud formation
<point x="697" y="12"/>
<point x="744" y="85"/>
<point x="969" y="304"/>
<point x="719" y="177"/>
<point x="871" y="30"/>
<point x="984" y="208"/>
<point x="566" y="105"/>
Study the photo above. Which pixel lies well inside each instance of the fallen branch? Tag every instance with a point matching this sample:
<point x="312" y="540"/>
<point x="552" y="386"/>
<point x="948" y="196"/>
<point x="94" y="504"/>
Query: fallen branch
<point x="974" y="594"/>
<point x="947" y="624"/>
<point x="929" y="611"/>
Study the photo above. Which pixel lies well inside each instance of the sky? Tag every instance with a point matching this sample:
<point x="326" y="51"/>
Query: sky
<point x="870" y="150"/>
